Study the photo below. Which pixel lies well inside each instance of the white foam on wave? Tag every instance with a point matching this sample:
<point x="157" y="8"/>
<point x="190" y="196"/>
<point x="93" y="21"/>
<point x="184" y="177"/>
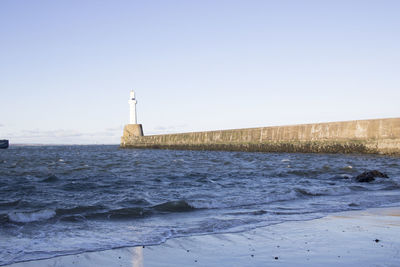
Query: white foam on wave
<point x="25" y="217"/>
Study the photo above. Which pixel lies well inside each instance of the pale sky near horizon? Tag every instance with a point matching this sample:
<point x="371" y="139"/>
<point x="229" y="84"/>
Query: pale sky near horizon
<point x="66" y="67"/>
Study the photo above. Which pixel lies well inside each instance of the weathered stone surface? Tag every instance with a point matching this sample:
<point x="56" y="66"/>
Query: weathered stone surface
<point x="370" y="176"/>
<point x="131" y="131"/>
<point x="379" y="136"/>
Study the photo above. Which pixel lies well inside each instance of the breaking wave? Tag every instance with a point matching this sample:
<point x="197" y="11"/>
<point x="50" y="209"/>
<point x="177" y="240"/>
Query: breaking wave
<point x="34" y="216"/>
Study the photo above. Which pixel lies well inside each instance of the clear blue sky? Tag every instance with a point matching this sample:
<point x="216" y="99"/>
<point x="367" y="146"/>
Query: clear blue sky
<point x="66" y="67"/>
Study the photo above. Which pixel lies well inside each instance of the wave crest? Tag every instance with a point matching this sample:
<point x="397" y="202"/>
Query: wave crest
<point x="26" y="217"/>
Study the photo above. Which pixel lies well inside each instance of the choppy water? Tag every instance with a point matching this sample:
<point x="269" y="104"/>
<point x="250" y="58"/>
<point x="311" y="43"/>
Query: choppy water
<point x="57" y="200"/>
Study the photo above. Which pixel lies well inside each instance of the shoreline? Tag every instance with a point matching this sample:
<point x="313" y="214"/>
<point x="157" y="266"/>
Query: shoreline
<point x="350" y="238"/>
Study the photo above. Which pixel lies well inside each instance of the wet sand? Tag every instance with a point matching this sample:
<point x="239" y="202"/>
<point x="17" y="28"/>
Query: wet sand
<point x="357" y="238"/>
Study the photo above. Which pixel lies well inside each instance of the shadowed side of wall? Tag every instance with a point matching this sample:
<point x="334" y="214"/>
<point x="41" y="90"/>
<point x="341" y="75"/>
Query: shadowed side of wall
<point x="378" y="136"/>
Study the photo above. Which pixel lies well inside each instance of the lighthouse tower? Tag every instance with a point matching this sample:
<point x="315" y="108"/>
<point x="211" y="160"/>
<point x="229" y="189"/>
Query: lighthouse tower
<point x="133" y="129"/>
<point x="132" y="108"/>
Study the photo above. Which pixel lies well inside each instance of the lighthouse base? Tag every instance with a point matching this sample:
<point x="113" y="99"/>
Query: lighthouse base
<point x="131" y="131"/>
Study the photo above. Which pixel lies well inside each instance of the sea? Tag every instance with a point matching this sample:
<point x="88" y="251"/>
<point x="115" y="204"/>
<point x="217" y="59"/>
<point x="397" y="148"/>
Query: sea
<point x="61" y="200"/>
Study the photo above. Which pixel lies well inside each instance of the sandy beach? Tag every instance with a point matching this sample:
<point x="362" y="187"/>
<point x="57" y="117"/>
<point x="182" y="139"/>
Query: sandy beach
<point x="356" y="238"/>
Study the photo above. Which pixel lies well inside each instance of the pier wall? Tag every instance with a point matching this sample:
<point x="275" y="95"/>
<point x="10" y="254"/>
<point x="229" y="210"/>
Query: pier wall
<point x="377" y="136"/>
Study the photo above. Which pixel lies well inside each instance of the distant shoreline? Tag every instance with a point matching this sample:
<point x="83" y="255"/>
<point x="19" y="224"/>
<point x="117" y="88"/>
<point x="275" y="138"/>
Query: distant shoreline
<point x="21" y="144"/>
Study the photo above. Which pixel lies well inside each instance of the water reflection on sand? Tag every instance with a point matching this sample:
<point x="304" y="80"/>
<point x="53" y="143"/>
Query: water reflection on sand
<point x="137" y="257"/>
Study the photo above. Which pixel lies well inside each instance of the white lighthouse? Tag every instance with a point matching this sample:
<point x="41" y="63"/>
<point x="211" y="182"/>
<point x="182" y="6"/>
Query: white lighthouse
<point x="132" y="108"/>
<point x="133" y="129"/>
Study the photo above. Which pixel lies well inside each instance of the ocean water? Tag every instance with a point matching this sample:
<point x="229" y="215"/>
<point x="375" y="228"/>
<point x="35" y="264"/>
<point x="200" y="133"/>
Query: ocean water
<point x="59" y="200"/>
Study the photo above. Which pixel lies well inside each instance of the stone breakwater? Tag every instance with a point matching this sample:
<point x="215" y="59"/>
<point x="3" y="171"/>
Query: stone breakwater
<point x="377" y="136"/>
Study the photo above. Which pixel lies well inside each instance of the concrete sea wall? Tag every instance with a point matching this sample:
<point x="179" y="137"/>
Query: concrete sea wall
<point x="377" y="136"/>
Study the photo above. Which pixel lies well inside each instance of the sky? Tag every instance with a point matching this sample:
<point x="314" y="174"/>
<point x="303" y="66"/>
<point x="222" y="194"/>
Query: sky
<point x="67" y="66"/>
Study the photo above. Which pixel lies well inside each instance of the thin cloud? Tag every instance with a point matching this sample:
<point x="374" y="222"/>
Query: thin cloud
<point x="62" y="136"/>
<point x="168" y="129"/>
<point x="163" y="128"/>
<point x="113" y="129"/>
<point x="53" y="133"/>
